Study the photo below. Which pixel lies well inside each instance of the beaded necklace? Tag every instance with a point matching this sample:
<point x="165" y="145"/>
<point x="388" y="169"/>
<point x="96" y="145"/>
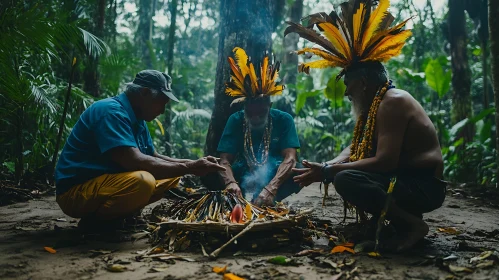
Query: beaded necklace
<point x="362" y="142"/>
<point x="263" y="150"/>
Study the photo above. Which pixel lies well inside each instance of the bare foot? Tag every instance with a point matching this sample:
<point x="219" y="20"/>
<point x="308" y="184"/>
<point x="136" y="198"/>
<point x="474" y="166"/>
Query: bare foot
<point x="416" y="230"/>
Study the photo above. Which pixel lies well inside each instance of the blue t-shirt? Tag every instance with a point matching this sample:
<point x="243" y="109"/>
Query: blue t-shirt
<point x="283" y="135"/>
<point x="106" y="124"/>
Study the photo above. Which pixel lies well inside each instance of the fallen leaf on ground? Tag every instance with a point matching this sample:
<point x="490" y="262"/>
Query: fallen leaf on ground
<point x="485" y="264"/>
<point x="374" y="254"/>
<point x="341" y="249"/>
<point x="452" y="257"/>
<point x="157" y="250"/>
<point x="457" y="269"/>
<point x="481" y="257"/>
<point x="348" y="244"/>
<point x="218" y="269"/>
<point x="50" y="250"/>
<point x="281" y="260"/>
<point x="116" y="268"/>
<point x="232" y="276"/>
<point x="309" y="252"/>
<point x="161" y="268"/>
<point x="173" y="257"/>
<point x="449" y="230"/>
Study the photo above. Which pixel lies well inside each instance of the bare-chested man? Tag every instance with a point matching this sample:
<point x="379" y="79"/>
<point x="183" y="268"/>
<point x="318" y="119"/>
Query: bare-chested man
<point x="405" y="145"/>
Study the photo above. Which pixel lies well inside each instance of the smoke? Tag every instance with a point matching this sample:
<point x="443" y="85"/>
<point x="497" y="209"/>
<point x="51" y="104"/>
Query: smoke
<point x="255" y="180"/>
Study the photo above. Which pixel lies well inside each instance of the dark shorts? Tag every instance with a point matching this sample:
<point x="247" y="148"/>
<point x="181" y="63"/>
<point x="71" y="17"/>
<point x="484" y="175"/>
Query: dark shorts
<point x="416" y="192"/>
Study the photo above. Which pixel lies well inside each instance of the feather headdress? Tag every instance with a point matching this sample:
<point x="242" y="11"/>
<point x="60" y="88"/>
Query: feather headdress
<point x="359" y="34"/>
<point x="245" y="84"/>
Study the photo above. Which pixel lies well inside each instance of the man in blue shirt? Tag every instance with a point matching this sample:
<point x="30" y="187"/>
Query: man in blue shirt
<point x="258" y="149"/>
<point x="108" y="168"/>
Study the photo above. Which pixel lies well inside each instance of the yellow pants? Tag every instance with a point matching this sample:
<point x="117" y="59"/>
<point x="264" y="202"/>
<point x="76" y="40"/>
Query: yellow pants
<point x="113" y="196"/>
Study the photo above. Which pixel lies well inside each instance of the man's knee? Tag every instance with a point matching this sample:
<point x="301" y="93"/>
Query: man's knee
<point x="343" y="182"/>
<point x="143" y="183"/>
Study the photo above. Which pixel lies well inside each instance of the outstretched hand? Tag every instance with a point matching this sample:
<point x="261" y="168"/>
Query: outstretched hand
<point x="311" y="173"/>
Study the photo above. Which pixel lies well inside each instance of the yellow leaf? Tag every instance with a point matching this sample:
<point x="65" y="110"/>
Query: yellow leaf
<point x="190" y="190"/>
<point x="341" y="249"/>
<point x="50" y="250"/>
<point x="160" y="126"/>
<point x="157" y="250"/>
<point x="231" y="276"/>
<point x="374" y="254"/>
<point x="449" y="230"/>
<point x="348" y="244"/>
<point x="248" y="212"/>
<point x="74" y="61"/>
<point x="219" y="270"/>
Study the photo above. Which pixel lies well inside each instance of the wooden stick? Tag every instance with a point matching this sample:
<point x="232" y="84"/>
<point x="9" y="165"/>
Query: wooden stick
<point x="215" y="253"/>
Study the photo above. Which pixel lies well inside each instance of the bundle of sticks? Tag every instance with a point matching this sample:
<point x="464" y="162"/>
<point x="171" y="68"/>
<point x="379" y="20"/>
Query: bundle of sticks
<point x="222" y="207"/>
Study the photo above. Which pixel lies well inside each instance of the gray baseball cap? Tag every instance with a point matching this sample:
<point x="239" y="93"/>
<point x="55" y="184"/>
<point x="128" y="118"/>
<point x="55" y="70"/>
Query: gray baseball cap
<point x="154" y="79"/>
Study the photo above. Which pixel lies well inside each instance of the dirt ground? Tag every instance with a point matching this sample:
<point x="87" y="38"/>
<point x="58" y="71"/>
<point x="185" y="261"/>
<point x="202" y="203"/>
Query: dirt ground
<point x="26" y="228"/>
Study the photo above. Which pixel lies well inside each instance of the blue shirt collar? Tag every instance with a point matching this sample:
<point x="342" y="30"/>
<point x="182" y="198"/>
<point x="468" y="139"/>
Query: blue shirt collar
<point x="123" y="99"/>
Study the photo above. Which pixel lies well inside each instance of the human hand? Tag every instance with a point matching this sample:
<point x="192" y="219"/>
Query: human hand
<point x="204" y="166"/>
<point x="308" y="175"/>
<point x="234" y="189"/>
<point x="265" y="198"/>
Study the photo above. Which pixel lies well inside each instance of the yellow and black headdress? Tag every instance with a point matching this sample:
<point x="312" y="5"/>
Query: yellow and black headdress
<point x="245" y="84"/>
<point x="361" y="33"/>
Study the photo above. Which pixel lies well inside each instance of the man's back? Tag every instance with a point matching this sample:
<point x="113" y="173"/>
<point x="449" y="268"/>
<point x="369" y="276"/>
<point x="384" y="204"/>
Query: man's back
<point x="420" y="146"/>
<point x="103" y="126"/>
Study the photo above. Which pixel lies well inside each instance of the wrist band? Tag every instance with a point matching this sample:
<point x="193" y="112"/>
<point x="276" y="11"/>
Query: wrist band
<point x="230" y="183"/>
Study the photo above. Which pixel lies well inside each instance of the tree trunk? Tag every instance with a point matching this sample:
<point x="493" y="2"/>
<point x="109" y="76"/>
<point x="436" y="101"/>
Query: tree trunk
<point x="169" y="67"/>
<point x="461" y="75"/>
<point x="144" y="33"/>
<point x="290" y="61"/>
<point x="91" y="83"/>
<point x="245" y="24"/>
<point x="494" y="55"/>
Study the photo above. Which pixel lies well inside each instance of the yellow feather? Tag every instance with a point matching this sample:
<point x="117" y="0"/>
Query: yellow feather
<point x="337" y="39"/>
<point x="263" y="72"/>
<point x="242" y="61"/>
<point x="388" y="43"/>
<point x="374" y="21"/>
<point x="236" y="72"/>
<point x="233" y="92"/>
<point x="324" y="54"/>
<point x="323" y="63"/>
<point x="357" y="25"/>
<point x="254" y="81"/>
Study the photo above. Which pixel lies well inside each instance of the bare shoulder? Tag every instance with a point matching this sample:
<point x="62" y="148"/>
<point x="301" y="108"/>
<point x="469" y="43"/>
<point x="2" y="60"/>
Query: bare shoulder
<point x="396" y="102"/>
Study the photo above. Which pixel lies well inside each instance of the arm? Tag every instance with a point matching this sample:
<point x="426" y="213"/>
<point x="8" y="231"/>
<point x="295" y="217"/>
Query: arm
<point x="344" y="156"/>
<point x="169" y="159"/>
<point x="391" y="120"/>
<point x="284" y="171"/>
<point x="227" y="175"/>
<point x="131" y="159"/>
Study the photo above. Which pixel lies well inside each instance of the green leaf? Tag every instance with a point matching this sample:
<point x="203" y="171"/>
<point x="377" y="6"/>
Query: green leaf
<point x="457" y="127"/>
<point x="436" y="78"/>
<point x="10" y="166"/>
<point x="482" y="115"/>
<point x="486" y="131"/>
<point x="414" y="76"/>
<point x="301" y="99"/>
<point x="335" y="91"/>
